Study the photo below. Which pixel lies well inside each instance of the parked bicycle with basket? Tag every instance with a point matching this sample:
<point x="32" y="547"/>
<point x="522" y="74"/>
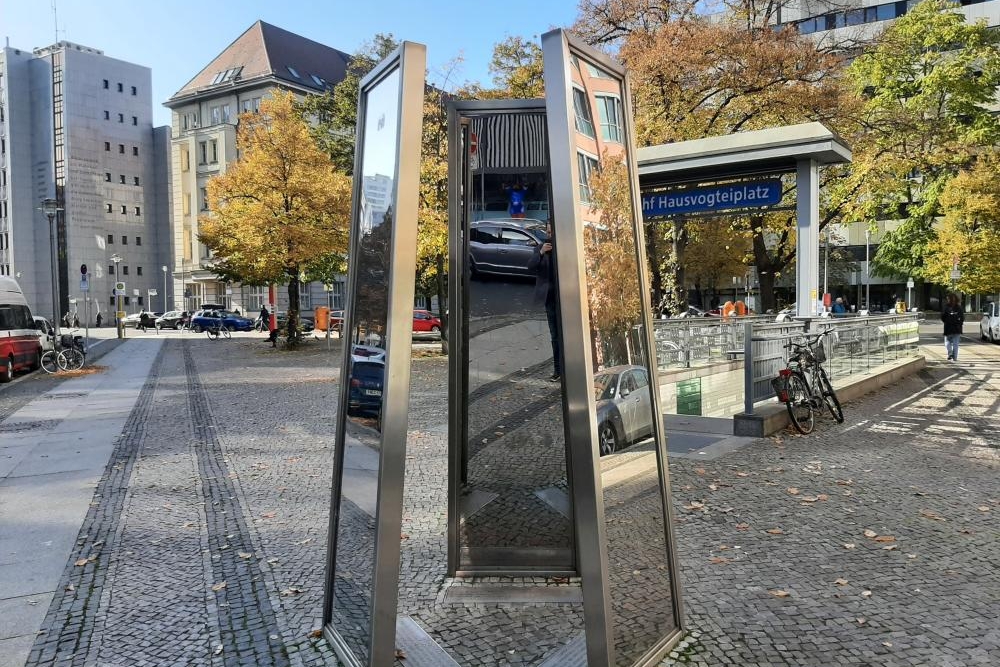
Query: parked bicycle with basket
<point x="803" y="385"/>
<point x="68" y="354"/>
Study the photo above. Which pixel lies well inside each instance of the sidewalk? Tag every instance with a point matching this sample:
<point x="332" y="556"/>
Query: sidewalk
<point x="53" y="451"/>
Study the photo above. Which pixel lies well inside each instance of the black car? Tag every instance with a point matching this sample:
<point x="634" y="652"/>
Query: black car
<point x="367" y="382"/>
<point x="173" y="319"/>
<point x="504" y="247"/>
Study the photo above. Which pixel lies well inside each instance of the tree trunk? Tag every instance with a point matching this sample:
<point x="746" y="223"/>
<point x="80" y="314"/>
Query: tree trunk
<point x="767" y="300"/>
<point x="680" y="275"/>
<point x="653" y="256"/>
<point x="293" y="310"/>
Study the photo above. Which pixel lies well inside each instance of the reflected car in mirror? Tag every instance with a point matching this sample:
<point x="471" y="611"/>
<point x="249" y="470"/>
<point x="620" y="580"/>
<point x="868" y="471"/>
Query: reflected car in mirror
<point x="505" y="246"/>
<point x="624" y="407"/>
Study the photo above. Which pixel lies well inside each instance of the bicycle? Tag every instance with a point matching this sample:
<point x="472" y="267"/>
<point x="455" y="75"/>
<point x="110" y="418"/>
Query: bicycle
<point x="213" y="332"/>
<point x="68" y="354"/>
<point x="804" y="387"/>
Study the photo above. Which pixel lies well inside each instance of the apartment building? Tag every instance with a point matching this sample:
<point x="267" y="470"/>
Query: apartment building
<point x="76" y="126"/>
<point x="205" y="113"/>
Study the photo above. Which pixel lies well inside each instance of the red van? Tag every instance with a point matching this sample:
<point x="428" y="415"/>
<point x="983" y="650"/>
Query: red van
<point x="20" y="348"/>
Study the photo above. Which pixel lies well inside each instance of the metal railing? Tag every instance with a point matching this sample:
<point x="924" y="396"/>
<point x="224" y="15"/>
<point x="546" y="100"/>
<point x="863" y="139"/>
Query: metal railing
<point x="700" y="341"/>
<point x="856" y="345"/>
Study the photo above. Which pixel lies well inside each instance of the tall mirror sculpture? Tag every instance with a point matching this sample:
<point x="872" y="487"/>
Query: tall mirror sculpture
<point x="367" y="494"/>
<point x="629" y="569"/>
<point x="510" y="507"/>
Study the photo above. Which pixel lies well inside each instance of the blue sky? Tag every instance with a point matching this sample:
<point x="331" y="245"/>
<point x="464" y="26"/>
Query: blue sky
<point x="177" y="38"/>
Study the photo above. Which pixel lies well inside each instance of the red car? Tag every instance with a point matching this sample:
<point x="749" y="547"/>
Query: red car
<point x="425" y="322"/>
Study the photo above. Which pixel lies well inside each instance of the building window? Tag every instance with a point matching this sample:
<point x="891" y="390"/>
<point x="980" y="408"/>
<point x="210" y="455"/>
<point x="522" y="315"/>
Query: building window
<point x="124" y="211"/>
<point x="135" y="180"/>
<point x="107" y="208"/>
<point x="121" y="88"/>
<point x="138" y="210"/>
<point x="107" y="145"/>
<point x="609" y="110"/>
<point x="225" y="113"/>
<point x="124" y="240"/>
<point x="127" y="299"/>
<point x="581" y="107"/>
<point x="107" y="115"/>
<point x="138" y="272"/>
<point x="111" y="272"/>
<point x="135" y="120"/>
<point x="125" y="273"/>
<point x="204" y="199"/>
<point x="291" y="70"/>
<point x="139" y="299"/>
<point x="214" y="145"/>
<point x="107" y="176"/>
<point x="134" y="91"/>
<point x="111" y="239"/>
<point x="121" y="148"/>
<point x="186" y="205"/>
<point x="135" y="151"/>
<point x="112" y="299"/>
<point x="585" y="165"/>
<point x="216" y="114"/>
<point x="138" y="240"/>
<point x="122" y="178"/>
<point x="121" y="118"/>
<point x="202" y="152"/>
<point x="106" y="84"/>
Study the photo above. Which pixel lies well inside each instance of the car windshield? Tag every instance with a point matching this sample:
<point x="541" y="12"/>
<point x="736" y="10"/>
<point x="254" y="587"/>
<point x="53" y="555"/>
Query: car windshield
<point x="367" y="370"/>
<point x="605" y="385"/>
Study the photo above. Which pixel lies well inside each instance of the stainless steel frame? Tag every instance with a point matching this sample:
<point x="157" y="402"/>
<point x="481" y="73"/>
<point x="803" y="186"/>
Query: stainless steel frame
<point x="459" y="183"/>
<point x="410" y="59"/>
<point x="558" y="48"/>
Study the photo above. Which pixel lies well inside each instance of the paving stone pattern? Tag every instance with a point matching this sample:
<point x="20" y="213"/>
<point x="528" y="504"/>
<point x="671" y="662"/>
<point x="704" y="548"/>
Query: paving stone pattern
<point x="223" y="474"/>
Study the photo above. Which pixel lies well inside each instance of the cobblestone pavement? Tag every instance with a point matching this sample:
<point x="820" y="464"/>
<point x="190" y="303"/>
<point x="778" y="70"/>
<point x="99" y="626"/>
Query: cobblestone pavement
<point x="205" y="543"/>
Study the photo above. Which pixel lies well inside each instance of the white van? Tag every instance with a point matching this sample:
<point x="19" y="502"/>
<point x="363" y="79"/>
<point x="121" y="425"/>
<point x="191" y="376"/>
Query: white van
<point x="20" y="348"/>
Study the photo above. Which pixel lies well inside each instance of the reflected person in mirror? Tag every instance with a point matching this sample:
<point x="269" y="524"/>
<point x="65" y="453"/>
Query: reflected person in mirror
<point x="543" y="265"/>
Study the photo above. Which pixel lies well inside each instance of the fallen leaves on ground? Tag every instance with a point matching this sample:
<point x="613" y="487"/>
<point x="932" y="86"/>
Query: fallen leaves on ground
<point x="885" y="538"/>
<point x="861" y="621"/>
<point x="742" y="526"/>
<point x="866" y="594"/>
<point x="841" y="582"/>
<point x="316" y="634"/>
<point x="84" y="561"/>
<point x="870" y="533"/>
<point x="793" y="491"/>
<point x="291" y="590"/>
<point x="219" y="586"/>
<point x="244" y="555"/>
<point x="719" y="560"/>
<point x="849" y="545"/>
<point x="983" y="508"/>
<point x="268" y="515"/>
<point x="400" y="654"/>
<point x="928" y="514"/>
<point x="775" y="531"/>
<point x="694" y="505"/>
<point x="779" y="593"/>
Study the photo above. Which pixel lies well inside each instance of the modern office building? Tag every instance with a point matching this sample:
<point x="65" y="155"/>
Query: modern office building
<point x="205" y="113"/>
<point x="76" y="126"/>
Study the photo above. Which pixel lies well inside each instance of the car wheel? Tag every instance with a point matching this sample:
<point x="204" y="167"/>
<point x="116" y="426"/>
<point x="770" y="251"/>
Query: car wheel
<point x="436" y="329"/>
<point x="37" y="363"/>
<point x="197" y="328"/>
<point x="607" y="438"/>
<point x="7" y="373"/>
<point x="176" y="325"/>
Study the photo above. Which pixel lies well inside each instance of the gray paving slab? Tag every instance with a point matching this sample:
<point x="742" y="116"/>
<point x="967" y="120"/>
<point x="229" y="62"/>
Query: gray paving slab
<point x="419" y="647"/>
<point x="486" y="593"/>
<point x="14" y="651"/>
<point x="572" y="654"/>
<point x="22" y="616"/>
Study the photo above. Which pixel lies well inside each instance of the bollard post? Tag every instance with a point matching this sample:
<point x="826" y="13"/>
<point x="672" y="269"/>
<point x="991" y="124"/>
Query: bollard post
<point x="748" y="368"/>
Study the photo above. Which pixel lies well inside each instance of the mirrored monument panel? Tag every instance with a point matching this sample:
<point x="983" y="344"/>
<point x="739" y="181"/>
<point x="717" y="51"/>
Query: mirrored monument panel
<point x="627" y="424"/>
<point x="366" y="333"/>
<point x="514" y="504"/>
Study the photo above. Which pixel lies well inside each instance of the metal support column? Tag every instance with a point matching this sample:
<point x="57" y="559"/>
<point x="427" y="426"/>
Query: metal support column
<point x="807" y="243"/>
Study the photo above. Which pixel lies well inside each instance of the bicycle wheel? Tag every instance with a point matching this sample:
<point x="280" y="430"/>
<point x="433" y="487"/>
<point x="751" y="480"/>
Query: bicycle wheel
<point x="225" y="332"/>
<point x="830" y="396"/>
<point x="70" y="359"/>
<point x="50" y="363"/>
<point x="212" y="333"/>
<point x="799" y="404"/>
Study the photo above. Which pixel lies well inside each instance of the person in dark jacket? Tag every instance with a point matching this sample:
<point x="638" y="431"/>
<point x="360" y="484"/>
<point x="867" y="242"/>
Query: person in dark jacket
<point x="543" y="264"/>
<point x="953" y="319"/>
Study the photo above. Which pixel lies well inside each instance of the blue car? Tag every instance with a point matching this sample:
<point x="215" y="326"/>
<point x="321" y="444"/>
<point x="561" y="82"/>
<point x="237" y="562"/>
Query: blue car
<point x="367" y="381"/>
<point x="210" y="319"/>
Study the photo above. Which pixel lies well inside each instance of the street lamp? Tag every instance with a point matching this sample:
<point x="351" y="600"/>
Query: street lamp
<point x="50" y="207"/>
<point x="164" y="269"/>
<point x="116" y="258"/>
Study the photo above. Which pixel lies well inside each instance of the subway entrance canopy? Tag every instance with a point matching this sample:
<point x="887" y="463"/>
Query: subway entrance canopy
<point x="735" y="159"/>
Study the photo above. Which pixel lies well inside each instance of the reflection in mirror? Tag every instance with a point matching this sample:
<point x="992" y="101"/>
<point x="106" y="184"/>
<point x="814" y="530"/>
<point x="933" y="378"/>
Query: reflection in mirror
<point x="638" y="557"/>
<point x="514" y="505"/>
<point x="368" y="317"/>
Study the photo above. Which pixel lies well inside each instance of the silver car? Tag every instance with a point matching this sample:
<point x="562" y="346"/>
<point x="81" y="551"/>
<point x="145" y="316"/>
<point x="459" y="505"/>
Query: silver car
<point x="504" y="247"/>
<point x="624" y="407"/>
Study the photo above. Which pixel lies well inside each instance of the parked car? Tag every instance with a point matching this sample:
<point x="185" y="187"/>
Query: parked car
<point x="173" y="319"/>
<point x="367" y="382"/>
<point x="989" y="326"/>
<point x="624" y="407"/>
<point x="426" y="323"/>
<point x="504" y="246"/>
<point x="306" y="323"/>
<point x="205" y="319"/>
<point x="19" y="345"/>
<point x="46" y="333"/>
<point x="368" y="353"/>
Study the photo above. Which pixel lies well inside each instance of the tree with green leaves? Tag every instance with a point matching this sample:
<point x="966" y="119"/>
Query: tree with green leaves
<point x="928" y="84"/>
<point x="281" y="210"/>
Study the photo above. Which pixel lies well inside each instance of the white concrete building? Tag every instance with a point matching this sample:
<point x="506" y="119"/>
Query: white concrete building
<point x="76" y="125"/>
<point x="204" y="119"/>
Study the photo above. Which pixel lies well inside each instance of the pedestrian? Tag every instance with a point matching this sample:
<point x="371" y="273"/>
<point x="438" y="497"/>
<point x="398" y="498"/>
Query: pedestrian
<point x="265" y="319"/>
<point x="543" y="264"/>
<point x="99" y="320"/>
<point x="954" y="320"/>
<point x="838" y="306"/>
<point x="76" y="321"/>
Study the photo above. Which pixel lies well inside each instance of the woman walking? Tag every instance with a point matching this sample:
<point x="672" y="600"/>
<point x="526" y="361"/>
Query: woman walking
<point x="953" y="319"/>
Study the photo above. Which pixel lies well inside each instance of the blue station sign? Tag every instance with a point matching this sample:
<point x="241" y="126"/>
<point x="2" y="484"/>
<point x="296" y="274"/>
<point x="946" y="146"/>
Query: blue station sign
<point x="747" y="194"/>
